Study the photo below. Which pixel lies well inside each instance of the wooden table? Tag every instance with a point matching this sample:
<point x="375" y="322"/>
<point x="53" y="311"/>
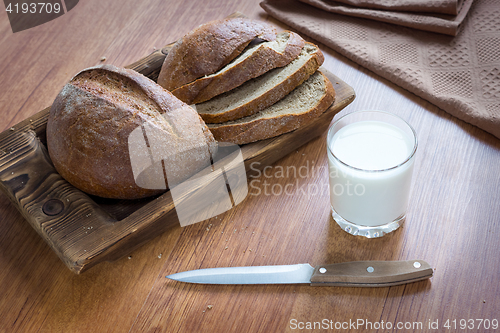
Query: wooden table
<point x="453" y="221"/>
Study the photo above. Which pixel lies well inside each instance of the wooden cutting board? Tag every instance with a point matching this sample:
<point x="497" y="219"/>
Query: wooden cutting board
<point x="84" y="230"/>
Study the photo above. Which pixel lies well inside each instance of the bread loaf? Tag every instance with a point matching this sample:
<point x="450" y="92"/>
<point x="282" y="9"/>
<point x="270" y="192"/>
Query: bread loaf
<point x="269" y="89"/>
<point x="263" y="91"/>
<point x="298" y="108"/>
<point x="96" y="114"/>
<point x="253" y="62"/>
<point x="208" y="48"/>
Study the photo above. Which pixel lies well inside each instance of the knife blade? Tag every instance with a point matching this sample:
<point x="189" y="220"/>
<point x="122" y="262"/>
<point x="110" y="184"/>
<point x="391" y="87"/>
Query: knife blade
<point x="346" y="274"/>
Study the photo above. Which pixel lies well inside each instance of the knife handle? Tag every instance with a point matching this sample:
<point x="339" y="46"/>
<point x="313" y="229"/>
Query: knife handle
<point x="371" y="273"/>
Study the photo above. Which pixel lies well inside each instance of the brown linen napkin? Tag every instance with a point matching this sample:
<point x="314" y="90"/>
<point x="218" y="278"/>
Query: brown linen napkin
<point x="430" y="6"/>
<point x="435" y="22"/>
<point x="461" y="75"/>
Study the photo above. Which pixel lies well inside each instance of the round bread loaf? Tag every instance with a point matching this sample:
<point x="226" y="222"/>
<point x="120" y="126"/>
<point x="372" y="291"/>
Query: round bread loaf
<point x="208" y="48"/>
<point x="114" y="133"/>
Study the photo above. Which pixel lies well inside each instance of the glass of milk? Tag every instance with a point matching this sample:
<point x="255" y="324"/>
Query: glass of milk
<point x="370" y="157"/>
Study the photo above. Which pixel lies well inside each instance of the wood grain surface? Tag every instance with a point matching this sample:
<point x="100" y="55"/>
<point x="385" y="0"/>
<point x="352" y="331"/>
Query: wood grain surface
<point x="453" y="220"/>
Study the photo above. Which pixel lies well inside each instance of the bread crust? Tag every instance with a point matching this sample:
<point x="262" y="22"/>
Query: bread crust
<point x="260" y="129"/>
<point x="210" y="47"/>
<point x="92" y="118"/>
<point x="271" y="96"/>
<point x="261" y="61"/>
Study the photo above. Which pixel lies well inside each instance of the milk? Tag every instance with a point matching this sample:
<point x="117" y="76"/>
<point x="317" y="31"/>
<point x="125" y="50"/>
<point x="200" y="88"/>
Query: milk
<point x="370" y="172"/>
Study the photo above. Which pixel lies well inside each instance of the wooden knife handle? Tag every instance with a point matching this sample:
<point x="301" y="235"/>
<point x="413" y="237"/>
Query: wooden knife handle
<point x="371" y="273"/>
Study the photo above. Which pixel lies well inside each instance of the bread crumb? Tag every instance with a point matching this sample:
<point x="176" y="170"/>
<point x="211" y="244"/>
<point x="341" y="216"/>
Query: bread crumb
<point x="130" y="257"/>
<point x="159" y="256"/>
<point x="103" y="58"/>
<point x="209" y="307"/>
<point x="12" y="129"/>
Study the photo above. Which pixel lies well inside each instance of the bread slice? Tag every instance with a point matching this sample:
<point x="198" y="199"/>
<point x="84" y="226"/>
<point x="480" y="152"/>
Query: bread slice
<point x="298" y="108"/>
<point x="263" y="91"/>
<point x="208" y="48"/>
<point x="255" y="61"/>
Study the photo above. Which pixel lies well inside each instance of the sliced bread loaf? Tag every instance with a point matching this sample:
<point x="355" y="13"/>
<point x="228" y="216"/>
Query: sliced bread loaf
<point x="259" y="93"/>
<point x="253" y="62"/>
<point x="208" y="48"/>
<point x="298" y="108"/>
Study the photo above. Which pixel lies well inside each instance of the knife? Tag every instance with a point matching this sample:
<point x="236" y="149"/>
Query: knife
<point x="346" y="274"/>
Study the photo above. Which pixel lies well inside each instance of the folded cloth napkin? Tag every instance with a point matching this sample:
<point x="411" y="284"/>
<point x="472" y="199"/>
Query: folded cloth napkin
<point x="435" y="22"/>
<point x="430" y="6"/>
<point x="461" y="74"/>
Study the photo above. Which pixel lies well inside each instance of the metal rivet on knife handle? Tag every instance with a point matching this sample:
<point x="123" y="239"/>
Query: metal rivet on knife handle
<point x="322" y="270"/>
<point x="416" y="264"/>
<point x="370" y="269"/>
